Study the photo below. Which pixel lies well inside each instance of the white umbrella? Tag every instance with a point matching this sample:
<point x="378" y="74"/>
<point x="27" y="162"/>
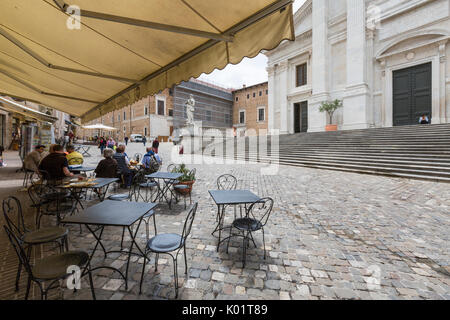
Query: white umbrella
<point x="100" y="127"/>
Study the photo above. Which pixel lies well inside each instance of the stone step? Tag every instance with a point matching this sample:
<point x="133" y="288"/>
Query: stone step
<point x="360" y="158"/>
<point x="363" y="167"/>
<point x="394" y="156"/>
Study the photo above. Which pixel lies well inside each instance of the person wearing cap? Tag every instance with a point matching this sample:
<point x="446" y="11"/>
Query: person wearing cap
<point x="32" y="160"/>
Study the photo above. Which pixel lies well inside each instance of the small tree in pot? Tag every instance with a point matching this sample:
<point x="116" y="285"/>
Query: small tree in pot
<point x="330" y="107"/>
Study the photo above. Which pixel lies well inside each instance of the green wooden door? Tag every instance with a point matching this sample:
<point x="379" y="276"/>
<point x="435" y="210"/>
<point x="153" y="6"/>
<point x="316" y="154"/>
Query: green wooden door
<point x="411" y="94"/>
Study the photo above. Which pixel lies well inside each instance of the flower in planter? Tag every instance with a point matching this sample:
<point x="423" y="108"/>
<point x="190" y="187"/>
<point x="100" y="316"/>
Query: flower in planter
<point x="188" y="175"/>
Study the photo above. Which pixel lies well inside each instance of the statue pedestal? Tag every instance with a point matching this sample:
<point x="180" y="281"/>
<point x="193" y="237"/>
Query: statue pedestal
<point x="191" y="137"/>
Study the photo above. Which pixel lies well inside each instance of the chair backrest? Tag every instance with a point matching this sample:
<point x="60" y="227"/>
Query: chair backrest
<point x="137" y="157"/>
<point x="17" y="245"/>
<point x="35" y="191"/>
<point x="226" y="182"/>
<point x="189" y="220"/>
<point x="261" y="209"/>
<point x="12" y="210"/>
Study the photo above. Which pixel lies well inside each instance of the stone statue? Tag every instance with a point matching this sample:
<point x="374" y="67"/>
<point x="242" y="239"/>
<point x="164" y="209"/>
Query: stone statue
<point x="190" y="103"/>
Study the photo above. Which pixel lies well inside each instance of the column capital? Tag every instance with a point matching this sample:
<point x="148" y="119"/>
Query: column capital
<point x="270" y="71"/>
<point x="283" y="65"/>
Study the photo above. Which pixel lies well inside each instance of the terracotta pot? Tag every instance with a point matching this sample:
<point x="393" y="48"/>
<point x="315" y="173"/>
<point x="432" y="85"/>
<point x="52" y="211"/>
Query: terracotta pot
<point x="185" y="191"/>
<point x="331" y="127"/>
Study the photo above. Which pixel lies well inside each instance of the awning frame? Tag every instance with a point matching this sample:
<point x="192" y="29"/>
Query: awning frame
<point x="49" y="65"/>
<point x="280" y="5"/>
<point x="145" y="24"/>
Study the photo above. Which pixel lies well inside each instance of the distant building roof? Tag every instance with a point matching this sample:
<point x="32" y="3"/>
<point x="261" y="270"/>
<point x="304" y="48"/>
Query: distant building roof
<point x="250" y="87"/>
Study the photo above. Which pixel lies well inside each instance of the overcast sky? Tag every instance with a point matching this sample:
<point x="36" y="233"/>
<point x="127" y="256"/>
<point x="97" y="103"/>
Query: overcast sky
<point x="248" y="72"/>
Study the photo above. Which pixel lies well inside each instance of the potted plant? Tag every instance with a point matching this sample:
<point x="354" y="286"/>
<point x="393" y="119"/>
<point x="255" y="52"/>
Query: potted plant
<point x="330" y="107"/>
<point x="188" y="178"/>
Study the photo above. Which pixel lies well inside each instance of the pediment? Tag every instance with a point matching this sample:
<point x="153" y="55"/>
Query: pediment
<point x="411" y="42"/>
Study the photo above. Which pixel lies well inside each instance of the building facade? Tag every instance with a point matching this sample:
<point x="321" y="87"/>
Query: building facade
<point x="158" y="115"/>
<point x="213" y="104"/>
<point x="250" y="109"/>
<point x="385" y="59"/>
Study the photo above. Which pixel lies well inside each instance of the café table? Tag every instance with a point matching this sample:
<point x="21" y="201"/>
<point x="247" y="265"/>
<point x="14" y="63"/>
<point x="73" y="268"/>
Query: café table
<point x="81" y="168"/>
<point x="224" y="198"/>
<point x="119" y="214"/>
<point x="169" y="179"/>
<point x="97" y="183"/>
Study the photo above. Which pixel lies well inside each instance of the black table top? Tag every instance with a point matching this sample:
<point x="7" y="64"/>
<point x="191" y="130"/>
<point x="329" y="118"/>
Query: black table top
<point x="223" y="197"/>
<point x="112" y="213"/>
<point x="99" y="183"/>
<point x="82" y="168"/>
<point x="165" y="175"/>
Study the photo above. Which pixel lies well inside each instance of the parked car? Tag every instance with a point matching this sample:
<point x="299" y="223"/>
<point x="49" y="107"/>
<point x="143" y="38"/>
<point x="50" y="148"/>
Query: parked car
<point x="136" y="138"/>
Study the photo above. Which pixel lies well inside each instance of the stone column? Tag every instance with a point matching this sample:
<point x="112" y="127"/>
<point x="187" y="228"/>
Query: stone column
<point x="442" y="82"/>
<point x="383" y="92"/>
<point x="356" y="99"/>
<point x="320" y="66"/>
<point x="271" y="98"/>
<point x="283" y="74"/>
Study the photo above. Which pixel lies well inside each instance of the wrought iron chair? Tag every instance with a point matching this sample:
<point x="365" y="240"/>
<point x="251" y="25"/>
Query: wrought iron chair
<point x="256" y="218"/>
<point x="52" y="268"/>
<point x="12" y="211"/>
<point x="227" y="182"/>
<point x="134" y="192"/>
<point x="146" y="184"/>
<point x="50" y="202"/>
<point x="167" y="243"/>
<point x="180" y="187"/>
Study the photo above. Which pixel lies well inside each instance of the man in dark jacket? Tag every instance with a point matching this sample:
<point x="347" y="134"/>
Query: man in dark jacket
<point x="55" y="164"/>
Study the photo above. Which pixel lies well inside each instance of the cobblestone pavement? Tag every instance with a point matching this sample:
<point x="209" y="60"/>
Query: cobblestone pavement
<point x="331" y="235"/>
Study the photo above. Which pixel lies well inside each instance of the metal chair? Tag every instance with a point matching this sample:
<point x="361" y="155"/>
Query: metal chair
<point x="226" y="182"/>
<point x="52" y="268"/>
<point x="179" y="187"/>
<point x="28" y="176"/>
<point x="12" y="211"/>
<point x="167" y="243"/>
<point x="256" y="218"/>
<point x="50" y="202"/>
<point x="134" y="192"/>
<point x="143" y="183"/>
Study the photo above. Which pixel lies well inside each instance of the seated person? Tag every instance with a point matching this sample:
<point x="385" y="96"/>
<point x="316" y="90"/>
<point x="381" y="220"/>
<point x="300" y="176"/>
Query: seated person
<point x="148" y="161"/>
<point x="73" y="157"/>
<point x="55" y="164"/>
<point x="107" y="168"/>
<point x="123" y="165"/>
<point x="32" y="160"/>
<point x="424" y="120"/>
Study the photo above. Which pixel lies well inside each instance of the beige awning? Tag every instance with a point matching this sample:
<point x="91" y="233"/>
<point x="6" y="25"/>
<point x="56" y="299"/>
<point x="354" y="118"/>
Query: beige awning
<point x="126" y="50"/>
<point x="13" y="106"/>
